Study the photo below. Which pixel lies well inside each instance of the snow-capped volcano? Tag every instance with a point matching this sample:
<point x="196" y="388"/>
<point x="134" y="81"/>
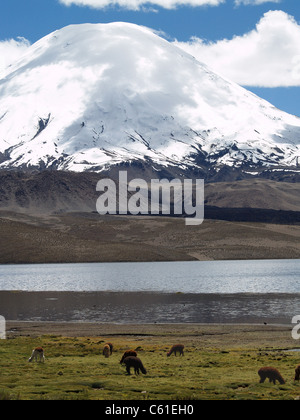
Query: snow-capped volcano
<point x="90" y="96"/>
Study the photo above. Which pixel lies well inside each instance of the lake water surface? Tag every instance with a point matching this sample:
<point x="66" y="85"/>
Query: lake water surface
<point x="170" y="292"/>
<point x="263" y="276"/>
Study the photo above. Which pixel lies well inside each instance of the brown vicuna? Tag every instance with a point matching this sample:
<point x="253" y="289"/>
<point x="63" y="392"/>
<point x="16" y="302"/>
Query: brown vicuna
<point x="37" y="355"/>
<point x="136" y="363"/>
<point x="176" y="348"/>
<point x="297" y="373"/>
<point x="106" y="350"/>
<point x="272" y="374"/>
<point x="128" y="353"/>
<point x="110" y="347"/>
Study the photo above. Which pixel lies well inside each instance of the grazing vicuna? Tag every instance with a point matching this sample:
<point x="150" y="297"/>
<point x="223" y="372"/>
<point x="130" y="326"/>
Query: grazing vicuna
<point x="136" y="363"/>
<point x="176" y="348"/>
<point x="37" y="355"/>
<point x="106" y="350"/>
<point x="111" y="347"/>
<point x="128" y="353"/>
<point x="272" y="374"/>
<point x="297" y="373"/>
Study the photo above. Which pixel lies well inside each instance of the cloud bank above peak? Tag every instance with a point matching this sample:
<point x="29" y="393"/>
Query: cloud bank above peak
<point x="11" y="50"/>
<point x="267" y="56"/>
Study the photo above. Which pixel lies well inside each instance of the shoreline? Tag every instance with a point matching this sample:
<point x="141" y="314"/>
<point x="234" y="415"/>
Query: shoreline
<point x="109" y="329"/>
<point x="107" y="326"/>
<point x="217" y="336"/>
<point x="121" y="261"/>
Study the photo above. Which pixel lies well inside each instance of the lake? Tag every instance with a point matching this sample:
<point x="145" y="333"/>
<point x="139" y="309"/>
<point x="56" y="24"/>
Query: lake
<point x="263" y="276"/>
<point x="171" y="292"/>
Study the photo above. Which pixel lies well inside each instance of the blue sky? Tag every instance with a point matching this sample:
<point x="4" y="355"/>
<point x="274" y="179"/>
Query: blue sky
<point x="255" y="43"/>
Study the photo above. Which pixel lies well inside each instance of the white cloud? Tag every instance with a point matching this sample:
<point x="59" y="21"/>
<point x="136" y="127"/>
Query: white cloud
<point x="11" y="50"/>
<point x="268" y="56"/>
<point x="138" y="4"/>
<point x="167" y="4"/>
<point x="255" y="2"/>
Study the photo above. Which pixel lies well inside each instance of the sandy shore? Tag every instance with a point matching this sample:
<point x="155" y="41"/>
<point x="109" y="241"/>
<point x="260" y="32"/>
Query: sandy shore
<point x="203" y="335"/>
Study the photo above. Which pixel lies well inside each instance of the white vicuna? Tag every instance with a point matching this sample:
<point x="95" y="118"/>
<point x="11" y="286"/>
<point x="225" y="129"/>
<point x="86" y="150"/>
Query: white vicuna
<point x="37" y="355"/>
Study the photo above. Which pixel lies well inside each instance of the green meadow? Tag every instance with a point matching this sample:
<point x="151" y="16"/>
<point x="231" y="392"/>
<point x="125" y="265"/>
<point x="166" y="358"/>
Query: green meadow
<point x="75" y="369"/>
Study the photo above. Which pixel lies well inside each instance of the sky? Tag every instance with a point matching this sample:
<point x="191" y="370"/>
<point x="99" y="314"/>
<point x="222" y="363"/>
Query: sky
<point x="255" y="43"/>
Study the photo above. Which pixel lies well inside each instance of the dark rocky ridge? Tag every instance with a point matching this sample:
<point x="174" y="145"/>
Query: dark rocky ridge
<point x="254" y="199"/>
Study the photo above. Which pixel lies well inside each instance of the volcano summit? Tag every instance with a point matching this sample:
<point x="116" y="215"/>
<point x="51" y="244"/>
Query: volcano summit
<point x="92" y="96"/>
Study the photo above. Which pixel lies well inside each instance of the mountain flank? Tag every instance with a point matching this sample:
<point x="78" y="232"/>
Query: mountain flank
<point x="88" y="237"/>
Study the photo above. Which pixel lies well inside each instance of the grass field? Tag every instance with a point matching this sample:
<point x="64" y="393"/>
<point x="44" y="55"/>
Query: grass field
<point x="76" y="369"/>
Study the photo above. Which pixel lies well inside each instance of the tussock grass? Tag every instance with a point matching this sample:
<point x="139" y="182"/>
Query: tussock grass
<point x="75" y="369"/>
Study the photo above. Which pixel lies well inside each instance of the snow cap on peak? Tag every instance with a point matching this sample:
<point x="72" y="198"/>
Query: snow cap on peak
<point x="91" y="95"/>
